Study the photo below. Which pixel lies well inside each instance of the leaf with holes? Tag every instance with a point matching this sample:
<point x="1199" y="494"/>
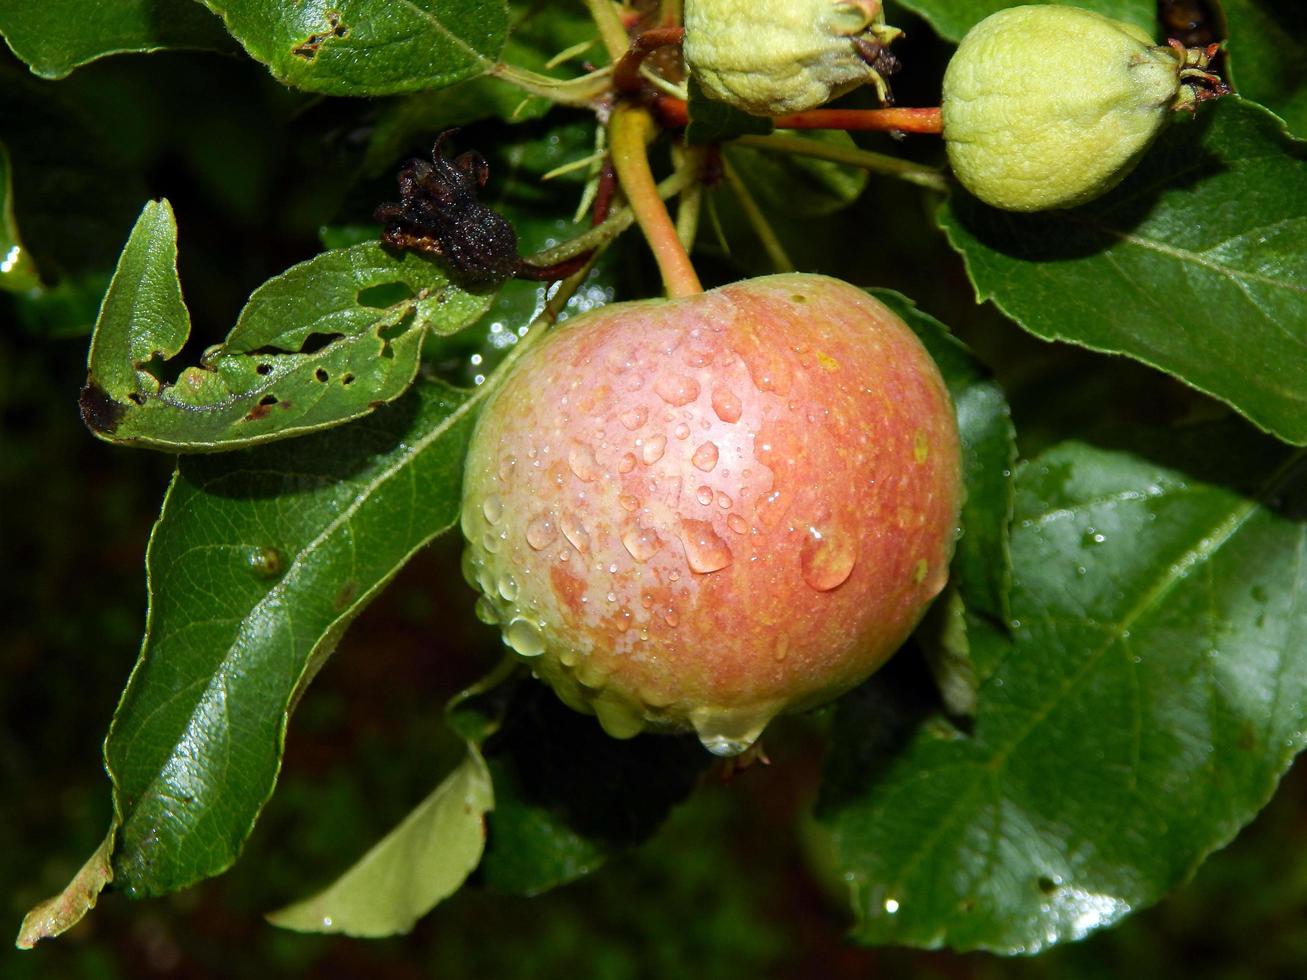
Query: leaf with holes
<point x="1151" y="695"/>
<point x="1196" y="264"/>
<point x="369" y="47"/>
<point x="259" y="561"/>
<point x="325" y="342"/>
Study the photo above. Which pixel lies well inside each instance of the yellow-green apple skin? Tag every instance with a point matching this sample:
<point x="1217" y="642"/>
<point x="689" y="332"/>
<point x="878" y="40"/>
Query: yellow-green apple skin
<point x="698" y="513"/>
<point x="1048" y="106"/>
<point x="770" y="57"/>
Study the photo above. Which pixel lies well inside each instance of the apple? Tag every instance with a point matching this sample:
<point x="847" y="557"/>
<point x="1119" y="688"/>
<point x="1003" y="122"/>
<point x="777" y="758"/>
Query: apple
<point x="698" y="513"/>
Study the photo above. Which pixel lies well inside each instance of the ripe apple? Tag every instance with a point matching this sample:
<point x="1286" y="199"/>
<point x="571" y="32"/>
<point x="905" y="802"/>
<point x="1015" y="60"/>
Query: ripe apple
<point x="701" y="512"/>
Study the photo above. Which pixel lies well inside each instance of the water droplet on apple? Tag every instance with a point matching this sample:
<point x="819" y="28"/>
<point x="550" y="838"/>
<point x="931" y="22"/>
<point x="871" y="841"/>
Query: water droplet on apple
<point x="737" y="523"/>
<point x="524" y="637"/>
<point x="704" y="495"/>
<point x="640" y="543"/>
<point x="704" y="549"/>
<point x="541" y="532"/>
<point x="493" y="508"/>
<point x="705" y="457"/>
<point x="676" y="391"/>
<point x="626" y="463"/>
<point x="726" y="404"/>
<point x="575" y="532"/>
<point x="485" y="611"/>
<point x="581" y="460"/>
<point x="827" y="557"/>
<point x="634" y="418"/>
<point x="654" y="448"/>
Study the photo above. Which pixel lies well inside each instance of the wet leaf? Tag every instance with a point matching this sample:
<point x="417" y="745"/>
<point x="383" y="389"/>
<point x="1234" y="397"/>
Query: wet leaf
<point x="327" y="341"/>
<point x="1153" y="691"/>
<point x="259" y="561"/>
<point x="1196" y="264"/>
<point x="55" y="36"/>
<point x="338" y="49"/>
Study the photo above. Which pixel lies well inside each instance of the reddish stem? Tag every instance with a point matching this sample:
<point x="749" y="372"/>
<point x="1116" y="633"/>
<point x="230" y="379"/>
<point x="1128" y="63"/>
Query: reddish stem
<point x="626" y="73"/>
<point x="674" y="112"/>
<point x="604" y="193"/>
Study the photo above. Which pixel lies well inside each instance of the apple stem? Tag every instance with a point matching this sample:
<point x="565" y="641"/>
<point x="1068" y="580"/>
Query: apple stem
<point x="609" y="228"/>
<point x="629" y="132"/>
<point x="626" y="72"/>
<point x="761" y="226"/>
<point x="851" y="156"/>
<point x="674" y="112"/>
<point x="610" y="27"/>
<point x="688" y="208"/>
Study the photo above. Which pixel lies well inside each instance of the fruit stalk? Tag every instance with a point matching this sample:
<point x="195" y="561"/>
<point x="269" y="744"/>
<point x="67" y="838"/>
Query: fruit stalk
<point x="629" y="133"/>
<point x="674" y="112"/>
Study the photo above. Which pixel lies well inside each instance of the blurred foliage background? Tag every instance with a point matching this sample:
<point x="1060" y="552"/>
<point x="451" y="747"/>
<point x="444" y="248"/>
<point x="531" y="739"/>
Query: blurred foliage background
<point x="727" y="888"/>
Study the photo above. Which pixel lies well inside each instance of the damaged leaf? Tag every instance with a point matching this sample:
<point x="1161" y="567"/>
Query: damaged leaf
<point x="327" y="341"/>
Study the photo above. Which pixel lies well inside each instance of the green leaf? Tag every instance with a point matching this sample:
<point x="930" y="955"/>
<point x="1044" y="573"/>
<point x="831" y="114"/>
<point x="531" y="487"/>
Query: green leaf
<point x="258" y="563"/>
<point x="1196" y="264"/>
<point x="17" y="270"/>
<point x="953" y="18"/>
<point x="422" y="861"/>
<point x="716" y="122"/>
<point x="369" y="47"/>
<point x="1267" y="57"/>
<point x="982" y="565"/>
<point x="567" y="796"/>
<point x="55" y="36"/>
<point x="1151" y="695"/>
<point x="269" y="380"/>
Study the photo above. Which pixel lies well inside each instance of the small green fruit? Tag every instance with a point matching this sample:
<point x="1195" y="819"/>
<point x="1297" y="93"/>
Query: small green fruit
<point x="1049" y="106"/>
<point x="698" y="513"/>
<point x="771" y="57"/>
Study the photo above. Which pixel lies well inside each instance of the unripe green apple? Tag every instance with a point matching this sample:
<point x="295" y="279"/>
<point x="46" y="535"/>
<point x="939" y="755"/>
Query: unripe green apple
<point x="698" y="513"/>
<point x="770" y="57"/>
<point x="1048" y="106"/>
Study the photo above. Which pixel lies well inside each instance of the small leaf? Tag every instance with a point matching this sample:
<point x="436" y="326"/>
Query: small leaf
<point x="953" y="18"/>
<point x="143" y="315"/>
<point x="1152" y="693"/>
<point x="1267" y="57"/>
<point x="369" y="309"/>
<point x="716" y="122"/>
<point x="259" y="561"/>
<point x="422" y="861"/>
<point x="57" y="915"/>
<point x="982" y="565"/>
<point x="1196" y="264"/>
<point x="17" y="271"/>
<point x="369" y="47"/>
<point x="56" y="36"/>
